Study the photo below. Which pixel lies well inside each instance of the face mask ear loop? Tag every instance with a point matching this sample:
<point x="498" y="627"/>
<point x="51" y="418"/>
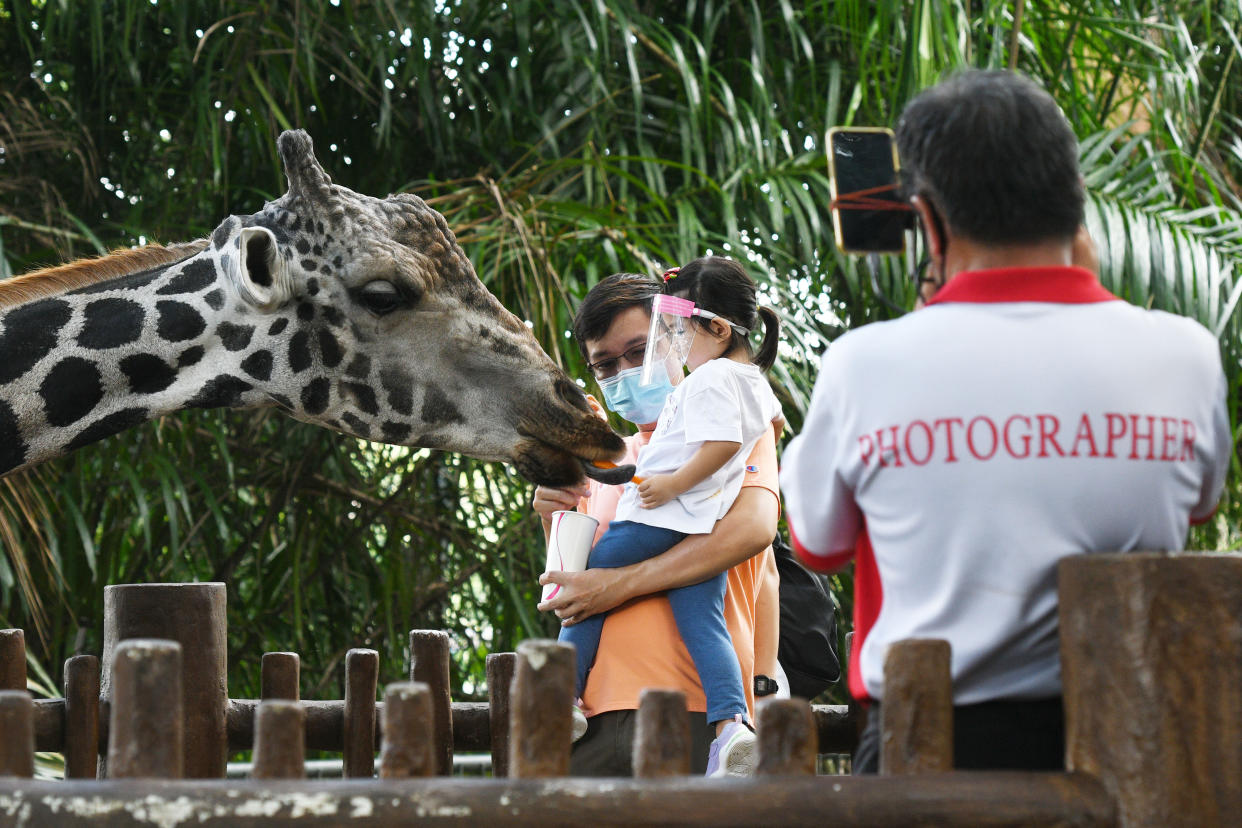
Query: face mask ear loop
<point x="944" y="239"/>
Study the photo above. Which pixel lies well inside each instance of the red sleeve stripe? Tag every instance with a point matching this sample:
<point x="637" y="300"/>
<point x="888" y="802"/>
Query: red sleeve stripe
<point x="817" y="561"/>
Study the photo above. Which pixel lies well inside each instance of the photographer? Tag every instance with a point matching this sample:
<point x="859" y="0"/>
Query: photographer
<point x="1023" y="415"/>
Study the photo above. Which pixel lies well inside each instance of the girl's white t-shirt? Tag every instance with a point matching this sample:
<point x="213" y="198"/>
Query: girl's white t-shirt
<point x="721" y="400"/>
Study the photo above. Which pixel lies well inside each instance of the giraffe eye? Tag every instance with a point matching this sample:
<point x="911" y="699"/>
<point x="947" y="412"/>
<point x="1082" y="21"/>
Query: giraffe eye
<point x="380" y="297"/>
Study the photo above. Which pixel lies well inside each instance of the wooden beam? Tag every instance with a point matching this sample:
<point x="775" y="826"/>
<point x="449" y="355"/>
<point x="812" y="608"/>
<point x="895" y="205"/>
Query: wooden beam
<point x="979" y="800"/>
<point x="916" y="719"/>
<point x="1151" y="663"/>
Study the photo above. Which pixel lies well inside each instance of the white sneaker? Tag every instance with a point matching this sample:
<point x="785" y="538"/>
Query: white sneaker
<point x="733" y="752"/>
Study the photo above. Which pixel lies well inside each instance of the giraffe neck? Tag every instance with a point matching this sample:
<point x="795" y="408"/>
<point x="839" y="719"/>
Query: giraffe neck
<point x="87" y="363"/>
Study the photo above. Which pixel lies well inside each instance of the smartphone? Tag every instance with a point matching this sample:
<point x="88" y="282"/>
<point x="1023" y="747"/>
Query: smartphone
<point x="868" y="213"/>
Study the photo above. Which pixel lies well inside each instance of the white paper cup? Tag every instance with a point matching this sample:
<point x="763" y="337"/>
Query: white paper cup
<point x="569" y="545"/>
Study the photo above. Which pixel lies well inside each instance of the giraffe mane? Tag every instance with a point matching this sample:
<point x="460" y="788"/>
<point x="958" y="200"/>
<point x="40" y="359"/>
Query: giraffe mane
<point x="59" y="279"/>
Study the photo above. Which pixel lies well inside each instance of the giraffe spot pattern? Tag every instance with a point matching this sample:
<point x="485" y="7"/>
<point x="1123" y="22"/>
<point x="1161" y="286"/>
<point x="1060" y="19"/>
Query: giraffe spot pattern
<point x="221" y="235"/>
<point x="333" y="316"/>
<point x="278" y="326"/>
<point x="359" y="367"/>
<point x="147" y="373"/>
<point x="221" y="391"/>
<point x="299" y="352"/>
<point x="235" y="337"/>
<point x="364" y="395"/>
<point x="329" y="349"/>
<point x="110" y="323"/>
<point x="190" y="356"/>
<point x="133" y="281"/>
<point x="395" y="432"/>
<point x="12" y="448"/>
<point x="258" y="365"/>
<point x="505" y="349"/>
<point x="178" y="321"/>
<point x="400" y="391"/>
<point x="215" y="299"/>
<point x="315" y="396"/>
<point x="71" y="390"/>
<point x="30" y="333"/>
<point x="114" y="423"/>
<point x="195" y="276"/>
<point x="438" y="408"/>
<point x="357" y="425"/>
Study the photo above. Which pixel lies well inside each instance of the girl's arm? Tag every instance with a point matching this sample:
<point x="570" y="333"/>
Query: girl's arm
<point x="659" y="489"/>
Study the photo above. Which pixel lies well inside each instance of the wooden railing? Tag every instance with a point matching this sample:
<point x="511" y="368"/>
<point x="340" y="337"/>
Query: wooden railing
<point x="1152" y="654"/>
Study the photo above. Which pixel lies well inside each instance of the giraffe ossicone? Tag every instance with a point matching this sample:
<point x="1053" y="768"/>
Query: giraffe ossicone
<point x="356" y="313"/>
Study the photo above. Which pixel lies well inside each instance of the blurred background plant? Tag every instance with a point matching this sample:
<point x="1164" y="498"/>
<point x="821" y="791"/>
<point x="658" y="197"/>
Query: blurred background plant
<point x="564" y="140"/>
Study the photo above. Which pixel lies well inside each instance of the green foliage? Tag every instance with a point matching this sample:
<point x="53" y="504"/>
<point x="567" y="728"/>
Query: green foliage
<point x="564" y="141"/>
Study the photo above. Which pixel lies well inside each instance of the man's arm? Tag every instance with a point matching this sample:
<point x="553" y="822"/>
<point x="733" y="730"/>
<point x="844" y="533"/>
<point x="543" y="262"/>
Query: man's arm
<point x="745" y="531"/>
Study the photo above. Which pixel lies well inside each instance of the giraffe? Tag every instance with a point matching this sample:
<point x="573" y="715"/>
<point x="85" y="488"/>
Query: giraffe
<point x="347" y="311"/>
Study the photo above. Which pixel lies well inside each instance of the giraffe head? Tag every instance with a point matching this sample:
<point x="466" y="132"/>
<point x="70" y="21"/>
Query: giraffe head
<point x="367" y="317"/>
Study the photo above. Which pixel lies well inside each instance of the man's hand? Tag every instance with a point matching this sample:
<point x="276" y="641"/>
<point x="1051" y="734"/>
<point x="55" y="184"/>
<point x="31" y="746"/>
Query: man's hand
<point x="548" y="500"/>
<point x="583" y="594"/>
<point x="657" y="490"/>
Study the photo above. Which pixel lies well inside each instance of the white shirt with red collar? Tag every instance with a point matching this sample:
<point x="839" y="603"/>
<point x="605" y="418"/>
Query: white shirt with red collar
<point x="1024" y="415"/>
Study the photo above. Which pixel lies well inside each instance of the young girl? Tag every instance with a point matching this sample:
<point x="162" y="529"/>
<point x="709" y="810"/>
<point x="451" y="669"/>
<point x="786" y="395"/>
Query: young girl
<point x="688" y="476"/>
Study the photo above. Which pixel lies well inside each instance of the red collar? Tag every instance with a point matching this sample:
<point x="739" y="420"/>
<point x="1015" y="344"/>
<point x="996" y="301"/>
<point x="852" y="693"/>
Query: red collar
<point x="1062" y="285"/>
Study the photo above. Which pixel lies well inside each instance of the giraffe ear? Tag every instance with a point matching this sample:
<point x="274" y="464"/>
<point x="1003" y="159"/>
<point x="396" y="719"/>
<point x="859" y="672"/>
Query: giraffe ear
<point x="262" y="275"/>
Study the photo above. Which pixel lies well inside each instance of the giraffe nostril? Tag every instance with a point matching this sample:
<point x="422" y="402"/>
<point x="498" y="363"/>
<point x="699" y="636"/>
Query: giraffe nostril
<point x="569" y="391"/>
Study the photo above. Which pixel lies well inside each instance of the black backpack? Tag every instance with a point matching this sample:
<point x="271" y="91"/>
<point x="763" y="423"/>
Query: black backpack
<point x="808" y="643"/>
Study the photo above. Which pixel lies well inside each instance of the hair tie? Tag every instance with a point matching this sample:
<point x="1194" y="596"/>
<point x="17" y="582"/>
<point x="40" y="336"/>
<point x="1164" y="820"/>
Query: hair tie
<point x="671" y="273"/>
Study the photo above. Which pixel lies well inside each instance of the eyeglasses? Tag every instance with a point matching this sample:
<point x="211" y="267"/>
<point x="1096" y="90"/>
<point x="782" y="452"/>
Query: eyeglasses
<point x="606" y="368"/>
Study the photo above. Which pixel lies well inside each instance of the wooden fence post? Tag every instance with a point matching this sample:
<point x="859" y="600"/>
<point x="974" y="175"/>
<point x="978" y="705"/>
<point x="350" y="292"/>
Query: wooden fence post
<point x="429" y="664"/>
<point x="280" y="740"/>
<point x="81" y="717"/>
<point x="1151" y="665"/>
<point x="146" y="733"/>
<point x="541" y="718"/>
<point x="661" y="735"/>
<point x="194" y="616"/>
<point x="500" y="667"/>
<point x="12" y="659"/>
<point x="409" y="748"/>
<point x="17" y="742"/>
<point x="280" y="676"/>
<point x="916" y="734"/>
<point x="361" y="681"/>
<point x="787" y="739"/>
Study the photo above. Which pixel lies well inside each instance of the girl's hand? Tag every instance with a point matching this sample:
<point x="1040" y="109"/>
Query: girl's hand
<point x="657" y="490"/>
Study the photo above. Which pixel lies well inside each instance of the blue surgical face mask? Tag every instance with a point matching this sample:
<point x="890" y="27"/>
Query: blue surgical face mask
<point x="640" y="404"/>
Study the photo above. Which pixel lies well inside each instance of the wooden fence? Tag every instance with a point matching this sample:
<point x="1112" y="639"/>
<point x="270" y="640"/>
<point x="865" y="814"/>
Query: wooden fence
<point x="1152" y="653"/>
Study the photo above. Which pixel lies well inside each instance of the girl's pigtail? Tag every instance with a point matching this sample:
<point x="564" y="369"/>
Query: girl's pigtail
<point x="771" y="336"/>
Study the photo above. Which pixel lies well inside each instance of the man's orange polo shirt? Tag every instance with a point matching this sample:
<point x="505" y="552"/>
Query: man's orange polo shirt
<point x="640" y="646"/>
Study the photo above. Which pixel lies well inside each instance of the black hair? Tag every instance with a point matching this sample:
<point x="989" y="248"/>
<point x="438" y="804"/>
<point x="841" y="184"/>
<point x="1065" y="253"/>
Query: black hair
<point x="721" y="286"/>
<point x="612" y="295"/>
<point x="995" y="156"/>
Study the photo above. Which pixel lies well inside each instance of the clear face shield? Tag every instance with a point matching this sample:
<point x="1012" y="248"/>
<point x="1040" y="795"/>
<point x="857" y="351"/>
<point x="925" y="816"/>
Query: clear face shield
<point x="670" y="337"/>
